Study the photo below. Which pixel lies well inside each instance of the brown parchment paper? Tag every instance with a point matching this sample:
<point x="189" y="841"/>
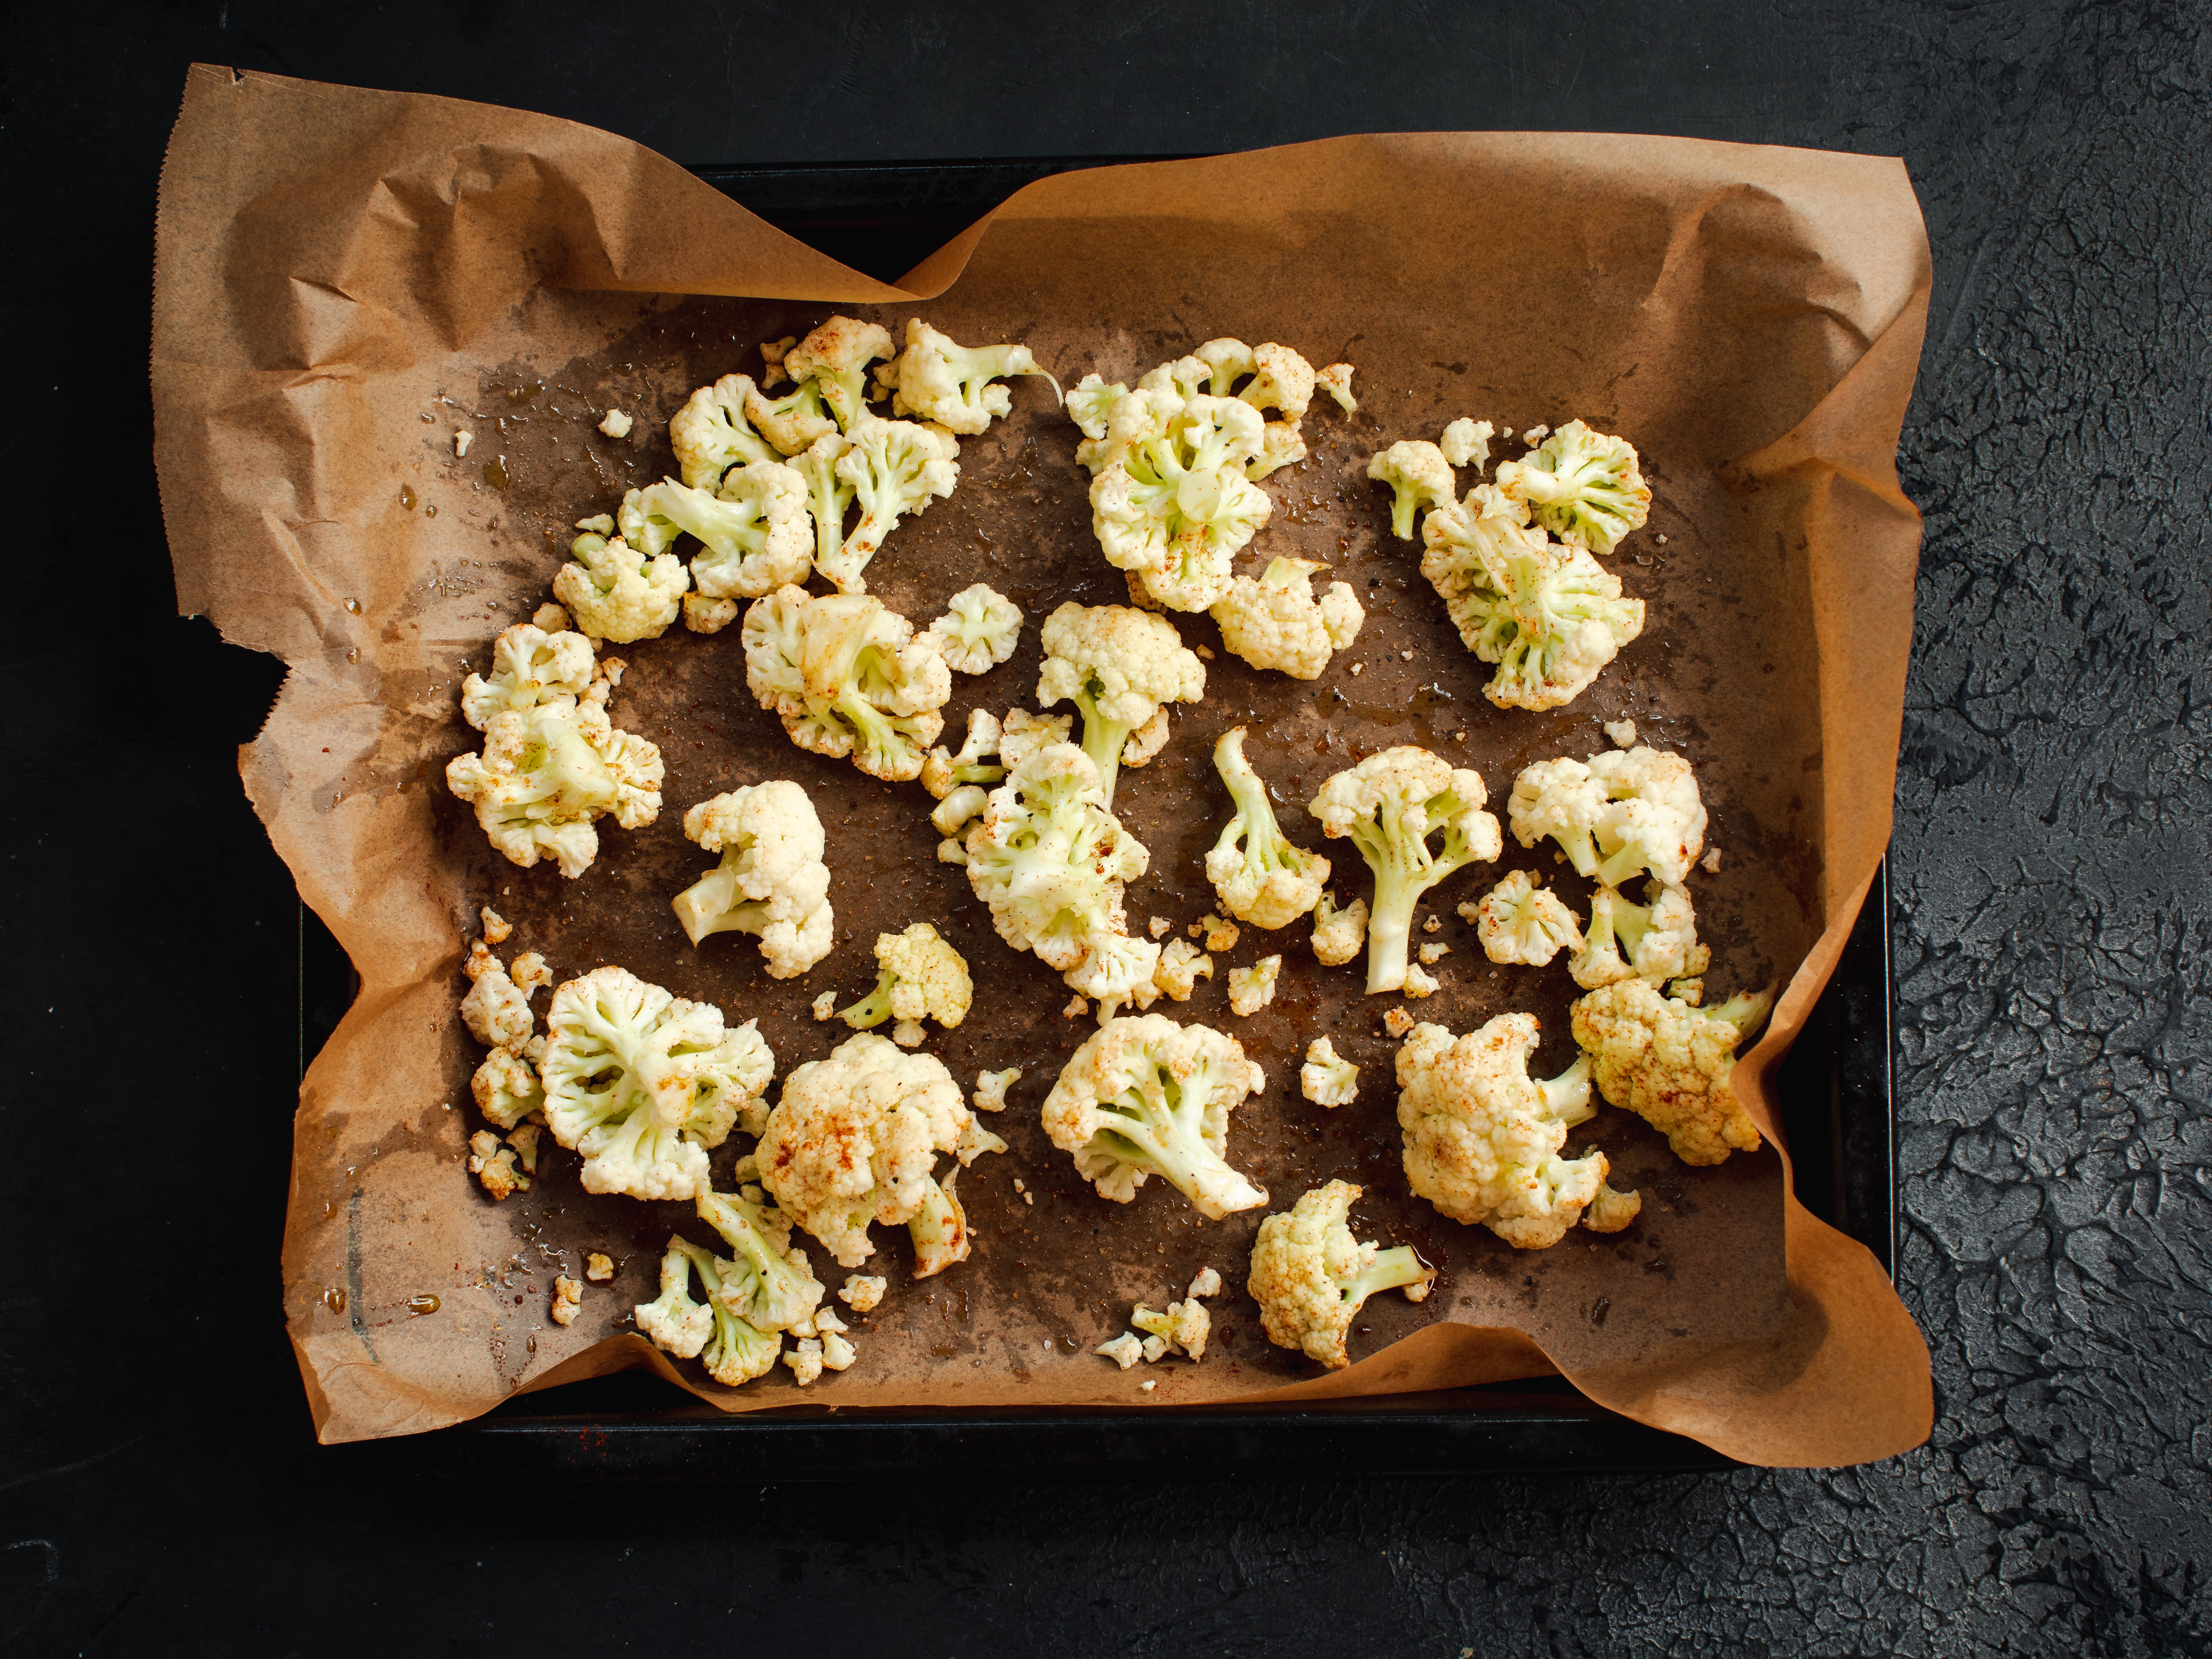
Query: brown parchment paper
<point x="344" y="278"/>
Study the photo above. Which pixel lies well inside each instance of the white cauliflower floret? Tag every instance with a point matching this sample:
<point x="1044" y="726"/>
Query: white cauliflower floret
<point x="674" y="1322"/>
<point x="1181" y="1327"/>
<point x="546" y="772"/>
<point x="711" y="435"/>
<point x="979" y="630"/>
<point x="1550" y="616"/>
<point x="1050" y="860"/>
<point x="991" y="1088"/>
<point x="1182" y="965"/>
<point x="1467" y="443"/>
<point x="1266" y="881"/>
<point x="1419" y="476"/>
<point x="507" y="1086"/>
<point x="939" y="380"/>
<point x="493" y="1165"/>
<point x="1519" y="921"/>
<point x="1125" y="1350"/>
<point x="496" y="926"/>
<point x="1390" y="804"/>
<point x="568" y="1297"/>
<point x="862" y="1293"/>
<point x="1022" y="734"/>
<point x="1621" y="734"/>
<point x="643" y="1084"/>
<point x="895" y="469"/>
<point x="835" y="358"/>
<point x="617" y="593"/>
<point x="1146" y="1096"/>
<point x="1219" y="935"/>
<point x="974" y="1141"/>
<point x="771" y="880"/>
<point x="1328" y="1078"/>
<point x="943" y="774"/>
<point x="1117" y="970"/>
<point x="754" y="536"/>
<point x="1276" y="623"/>
<point x="919" y="975"/>
<point x="1583" y="486"/>
<point x="1625" y="811"/>
<point x="1251" y="989"/>
<point x="1279" y="379"/>
<point x="531" y="668"/>
<point x="1171" y="500"/>
<point x="1660" y="938"/>
<point x="1117" y="667"/>
<point x="793" y="422"/>
<point x="805" y="1360"/>
<point x="1336" y="381"/>
<point x="1669" y="1063"/>
<point x="829" y="495"/>
<point x="852" y="1141"/>
<point x="1311" y="1276"/>
<point x="1207" y="1282"/>
<point x="496" y="1010"/>
<point x="735" y="1351"/>
<point x="1340" y="932"/>
<point x="767" y="1284"/>
<point x="847" y="679"/>
<point x="1483" y="1139"/>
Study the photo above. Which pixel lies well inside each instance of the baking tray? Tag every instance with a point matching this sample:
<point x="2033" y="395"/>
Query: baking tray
<point x="1836" y="1090"/>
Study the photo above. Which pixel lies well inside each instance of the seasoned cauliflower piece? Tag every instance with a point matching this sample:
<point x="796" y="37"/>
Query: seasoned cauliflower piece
<point x="1467" y="443"/>
<point x="1519" y="921"/>
<point x="1276" y="623"/>
<point x="1117" y="667"/>
<point x="1583" y="486"/>
<point x="766" y="1282"/>
<point x="496" y="927"/>
<point x="547" y="773"/>
<point x="525" y="1141"/>
<point x="1251" y="989"/>
<point x="1219" y="935"/>
<point x="1340" y="932"/>
<point x="1328" y="1078"/>
<point x="771" y="880"/>
<point x="711" y="435"/>
<point x="939" y="380"/>
<point x="918" y="975"/>
<point x="835" y="358"/>
<point x="991" y="1088"/>
<point x="1022" y="734"/>
<point x="847" y="679"/>
<point x="829" y="496"/>
<point x="643" y="1084"/>
<point x="1311" y="1276"/>
<point x="1390" y="804"/>
<point x="1182" y="965"/>
<point x="1170" y="499"/>
<point x="599" y="1268"/>
<point x="895" y="469"/>
<point x="496" y="1010"/>
<point x="794" y="421"/>
<point x="1118" y="970"/>
<point x="1050" y="860"/>
<point x="974" y="1141"/>
<point x="1265" y="880"/>
<point x="754" y="535"/>
<point x="1669" y="1063"/>
<point x="852" y="1141"/>
<point x="1625" y="811"/>
<point x="1146" y="1096"/>
<point x="946" y="773"/>
<point x="1660" y="938"/>
<point x="1419" y="476"/>
<point x="733" y="1350"/>
<point x="1397" y="1022"/>
<point x="979" y="629"/>
<point x="568" y="1297"/>
<point x="617" y="593"/>
<point x="493" y="1165"/>
<point x="1336" y="381"/>
<point x="531" y="668"/>
<point x="1621" y="734"/>
<point x="862" y="1293"/>
<point x="1183" y="1327"/>
<point x="506" y="1087"/>
<point x="1125" y="1350"/>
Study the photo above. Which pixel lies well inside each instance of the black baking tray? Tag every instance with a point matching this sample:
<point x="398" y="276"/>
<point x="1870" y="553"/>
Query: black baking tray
<point x="1836" y="1087"/>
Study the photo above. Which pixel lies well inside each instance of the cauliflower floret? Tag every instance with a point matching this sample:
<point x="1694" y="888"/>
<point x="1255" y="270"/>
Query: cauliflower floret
<point x="493" y="1165"/>
<point x="1117" y="667"/>
<point x="1171" y="500"/>
<point x="1336" y="381"/>
<point x="1328" y="1078"/>
<point x="1311" y="1276"/>
<point x="496" y="1010"/>
<point x="767" y="1282"/>
<point x="944" y="774"/>
<point x="979" y="630"/>
<point x="525" y="1141"/>
<point x="847" y="679"/>
<point x="1182" y="965"/>
<point x="568" y="1297"/>
<point x="547" y="772"/>
<point x="920" y="975"/>
<point x="1267" y="881"/>
<point x="1669" y="1063"/>
<point x="1050" y="860"/>
<point x="991" y="1088"/>
<point x="939" y="380"/>
<point x="829" y="495"/>
<point x="1147" y="1096"/>
<point x="895" y="469"/>
<point x="1390" y="804"/>
<point x="852" y="1141"/>
<point x="1251" y="989"/>
<point x="824" y="1006"/>
<point x="1550" y="616"/>
<point x="531" y="668"/>
<point x="710" y="433"/>
<point x="733" y="1350"/>
<point x="1207" y="1282"/>
<point x="1397" y="1022"/>
<point x="1419" y="476"/>
<point x="1125" y="1350"/>
<point x="754" y="535"/>
<point x="771" y="880"/>
<point x="1280" y="380"/>
<point x="617" y="593"/>
<point x="835" y="358"/>
<point x="862" y="1293"/>
<point x="1621" y="734"/>
<point x="1117" y="970"/>
<point x="674" y="1322"/>
<point x="643" y="1084"/>
<point x="1275" y="621"/>
<point x="806" y="1361"/>
<point x="1625" y="811"/>
<point x="974" y="1141"/>
<point x="1483" y="1139"/>
<point x="599" y="1268"/>
<point x="1519" y="921"/>
<point x="1219" y="935"/>
<point x="1662" y="940"/>
<point x="794" y="421"/>
<point x="496" y="927"/>
<point x="507" y="1086"/>
<point x="1584" y="487"/>
<point x="1022" y="734"/>
<point x="1467" y="443"/>
<point x="1183" y="1327"/>
<point x="1340" y="932"/>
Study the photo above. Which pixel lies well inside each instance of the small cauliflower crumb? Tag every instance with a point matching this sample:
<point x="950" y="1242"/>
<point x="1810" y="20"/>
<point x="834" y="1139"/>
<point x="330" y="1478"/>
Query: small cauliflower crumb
<point x="836" y="1353"/>
<point x="1125" y="1350"/>
<point x="614" y="423"/>
<point x="746" y="1168"/>
<point x="496" y="927"/>
<point x="1207" y="655"/>
<point x="826" y="1005"/>
<point x="461" y="443"/>
<point x="1711" y="864"/>
<point x="1159" y="927"/>
<point x="1433" y="924"/>
<point x="1622" y="733"/>
<point x="1534" y="434"/>
<point x="861" y="1292"/>
<point x="907" y="1034"/>
<point x="1358" y="667"/>
<point x="530" y="973"/>
<point x="1419" y="984"/>
<point x="1182" y="964"/>
<point x="825" y="1320"/>
<point x="1405" y="656"/>
<point x="1328" y="1078"/>
<point x="1397" y="1022"/>
<point x="1432" y="954"/>
<point x="1336" y="381"/>
<point x="525" y="1142"/>
<point x="1251" y="989"/>
<point x="568" y="1297"/>
<point x="1148" y="1384"/>
<point x="1155" y="1349"/>
<point x="991" y="1088"/>
<point x="773" y="373"/>
<point x="1077" y="1008"/>
<point x="493" y="1165"/>
<point x="1661" y="540"/>
<point x="805" y="1360"/>
<point x="598" y="1267"/>
<point x="550" y="618"/>
<point x="1208" y="1283"/>
<point x="1030" y="1199"/>
<point x="1219" y="935"/>
<point x="753" y="1193"/>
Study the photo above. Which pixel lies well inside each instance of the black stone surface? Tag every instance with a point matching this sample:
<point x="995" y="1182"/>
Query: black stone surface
<point x="159" y="1490"/>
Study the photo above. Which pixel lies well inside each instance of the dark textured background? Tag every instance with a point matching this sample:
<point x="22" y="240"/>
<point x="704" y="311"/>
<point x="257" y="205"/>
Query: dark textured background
<point x="2052" y="899"/>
